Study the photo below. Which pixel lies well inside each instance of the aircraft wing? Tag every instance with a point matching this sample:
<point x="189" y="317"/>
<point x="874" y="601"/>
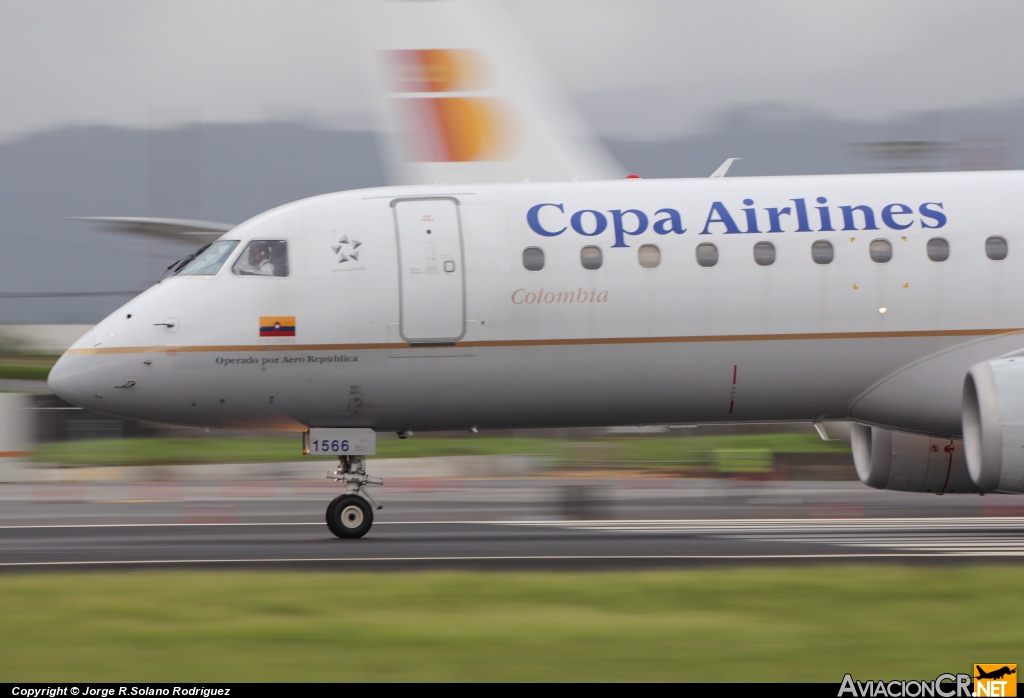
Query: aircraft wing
<point x="167" y="228"/>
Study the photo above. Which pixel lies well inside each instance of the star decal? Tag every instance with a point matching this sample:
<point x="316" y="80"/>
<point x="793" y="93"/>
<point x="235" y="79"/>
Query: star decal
<point x="347" y="249"/>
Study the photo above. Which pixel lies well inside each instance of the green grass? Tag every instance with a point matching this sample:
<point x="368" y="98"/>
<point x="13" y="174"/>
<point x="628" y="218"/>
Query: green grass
<point x="625" y="451"/>
<point x="734" y="624"/>
<point x="258" y="450"/>
<point x="27" y="372"/>
<point x="668" y="448"/>
<point x="164" y="450"/>
<point x="26" y="366"/>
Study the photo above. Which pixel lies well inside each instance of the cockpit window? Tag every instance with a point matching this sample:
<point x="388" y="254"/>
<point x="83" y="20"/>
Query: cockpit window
<point x="210" y="259"/>
<point x="263" y="258"/>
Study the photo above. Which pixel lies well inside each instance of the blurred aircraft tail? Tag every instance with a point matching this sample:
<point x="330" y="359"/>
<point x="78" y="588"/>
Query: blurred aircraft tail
<point x="466" y="99"/>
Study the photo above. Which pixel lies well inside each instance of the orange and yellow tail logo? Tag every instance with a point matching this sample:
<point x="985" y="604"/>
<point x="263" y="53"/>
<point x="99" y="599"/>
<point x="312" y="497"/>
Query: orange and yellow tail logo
<point x="437" y="70"/>
<point x="448" y="117"/>
<point x="995" y="680"/>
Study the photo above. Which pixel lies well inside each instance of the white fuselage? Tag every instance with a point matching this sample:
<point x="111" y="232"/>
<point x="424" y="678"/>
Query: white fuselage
<point x="398" y="328"/>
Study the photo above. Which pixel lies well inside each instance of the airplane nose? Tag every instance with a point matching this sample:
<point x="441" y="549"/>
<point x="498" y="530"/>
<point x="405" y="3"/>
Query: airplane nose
<point x="73" y="378"/>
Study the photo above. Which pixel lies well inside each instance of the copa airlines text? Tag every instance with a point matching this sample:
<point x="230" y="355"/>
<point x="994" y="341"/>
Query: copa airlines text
<point x="719" y="218"/>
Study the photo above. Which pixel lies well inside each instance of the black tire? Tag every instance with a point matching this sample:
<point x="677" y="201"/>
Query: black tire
<point x="349" y="516"/>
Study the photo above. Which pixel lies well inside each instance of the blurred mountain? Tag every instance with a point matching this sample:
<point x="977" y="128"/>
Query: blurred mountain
<point x="777" y="140"/>
<point x="217" y="172"/>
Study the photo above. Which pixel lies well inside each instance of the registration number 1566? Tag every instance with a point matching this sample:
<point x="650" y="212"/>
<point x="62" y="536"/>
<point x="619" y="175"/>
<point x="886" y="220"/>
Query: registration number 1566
<point x="339" y="442"/>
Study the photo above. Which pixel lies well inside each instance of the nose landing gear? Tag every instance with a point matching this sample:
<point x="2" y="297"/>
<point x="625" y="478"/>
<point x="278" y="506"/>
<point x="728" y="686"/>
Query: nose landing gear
<point x="350" y="515"/>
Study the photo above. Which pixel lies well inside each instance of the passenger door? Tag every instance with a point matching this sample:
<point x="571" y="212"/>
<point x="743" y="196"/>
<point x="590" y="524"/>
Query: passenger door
<point x="430" y="270"/>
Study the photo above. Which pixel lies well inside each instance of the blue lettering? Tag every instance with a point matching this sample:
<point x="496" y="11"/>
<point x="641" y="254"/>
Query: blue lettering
<point x="723" y="217"/>
<point x="802" y="226"/>
<point x="620" y="230"/>
<point x="751" y="215"/>
<point x="826" y="217"/>
<point x="672" y="224"/>
<point x="774" y="214"/>
<point x="850" y="224"/>
<point x="533" y="218"/>
<point x="632" y="221"/>
<point x="600" y="222"/>
<point x="938" y="216"/>
<point x="896" y="210"/>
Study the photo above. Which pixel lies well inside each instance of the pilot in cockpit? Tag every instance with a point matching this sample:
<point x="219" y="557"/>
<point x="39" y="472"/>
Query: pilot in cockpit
<point x="259" y="261"/>
<point x="265" y="265"/>
<point x="263" y="258"/>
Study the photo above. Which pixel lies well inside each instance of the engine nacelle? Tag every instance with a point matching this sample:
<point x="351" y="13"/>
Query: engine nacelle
<point x="994" y="424"/>
<point x="896" y="460"/>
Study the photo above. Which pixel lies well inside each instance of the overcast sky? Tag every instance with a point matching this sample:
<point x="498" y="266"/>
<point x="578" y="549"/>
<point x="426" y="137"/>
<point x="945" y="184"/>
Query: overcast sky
<point x="638" y="68"/>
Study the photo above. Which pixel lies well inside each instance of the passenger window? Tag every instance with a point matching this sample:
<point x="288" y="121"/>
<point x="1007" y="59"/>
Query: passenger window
<point x="822" y="252"/>
<point x="938" y="250"/>
<point x="591" y="257"/>
<point x="649" y="256"/>
<point x="996" y="248"/>
<point x="880" y="251"/>
<point x="707" y="254"/>
<point x="263" y="258"/>
<point x="533" y="258"/>
<point x="764" y="254"/>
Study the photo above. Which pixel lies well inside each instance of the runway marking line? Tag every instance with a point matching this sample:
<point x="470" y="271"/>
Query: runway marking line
<point x="625" y="525"/>
<point x="915" y="538"/>
<point x="135" y="501"/>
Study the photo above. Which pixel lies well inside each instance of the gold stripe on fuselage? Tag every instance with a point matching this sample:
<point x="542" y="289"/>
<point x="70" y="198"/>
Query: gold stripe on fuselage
<point x="551" y="342"/>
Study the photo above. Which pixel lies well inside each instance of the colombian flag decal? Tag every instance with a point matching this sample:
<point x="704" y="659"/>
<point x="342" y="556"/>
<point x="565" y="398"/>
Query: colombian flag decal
<point x="277" y="326"/>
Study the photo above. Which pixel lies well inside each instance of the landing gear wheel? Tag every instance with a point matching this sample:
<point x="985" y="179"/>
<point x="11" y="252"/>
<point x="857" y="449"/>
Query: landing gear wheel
<point x="349" y="516"/>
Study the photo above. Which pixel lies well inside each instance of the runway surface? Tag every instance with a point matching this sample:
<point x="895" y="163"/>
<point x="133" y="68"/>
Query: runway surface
<point x="529" y="523"/>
